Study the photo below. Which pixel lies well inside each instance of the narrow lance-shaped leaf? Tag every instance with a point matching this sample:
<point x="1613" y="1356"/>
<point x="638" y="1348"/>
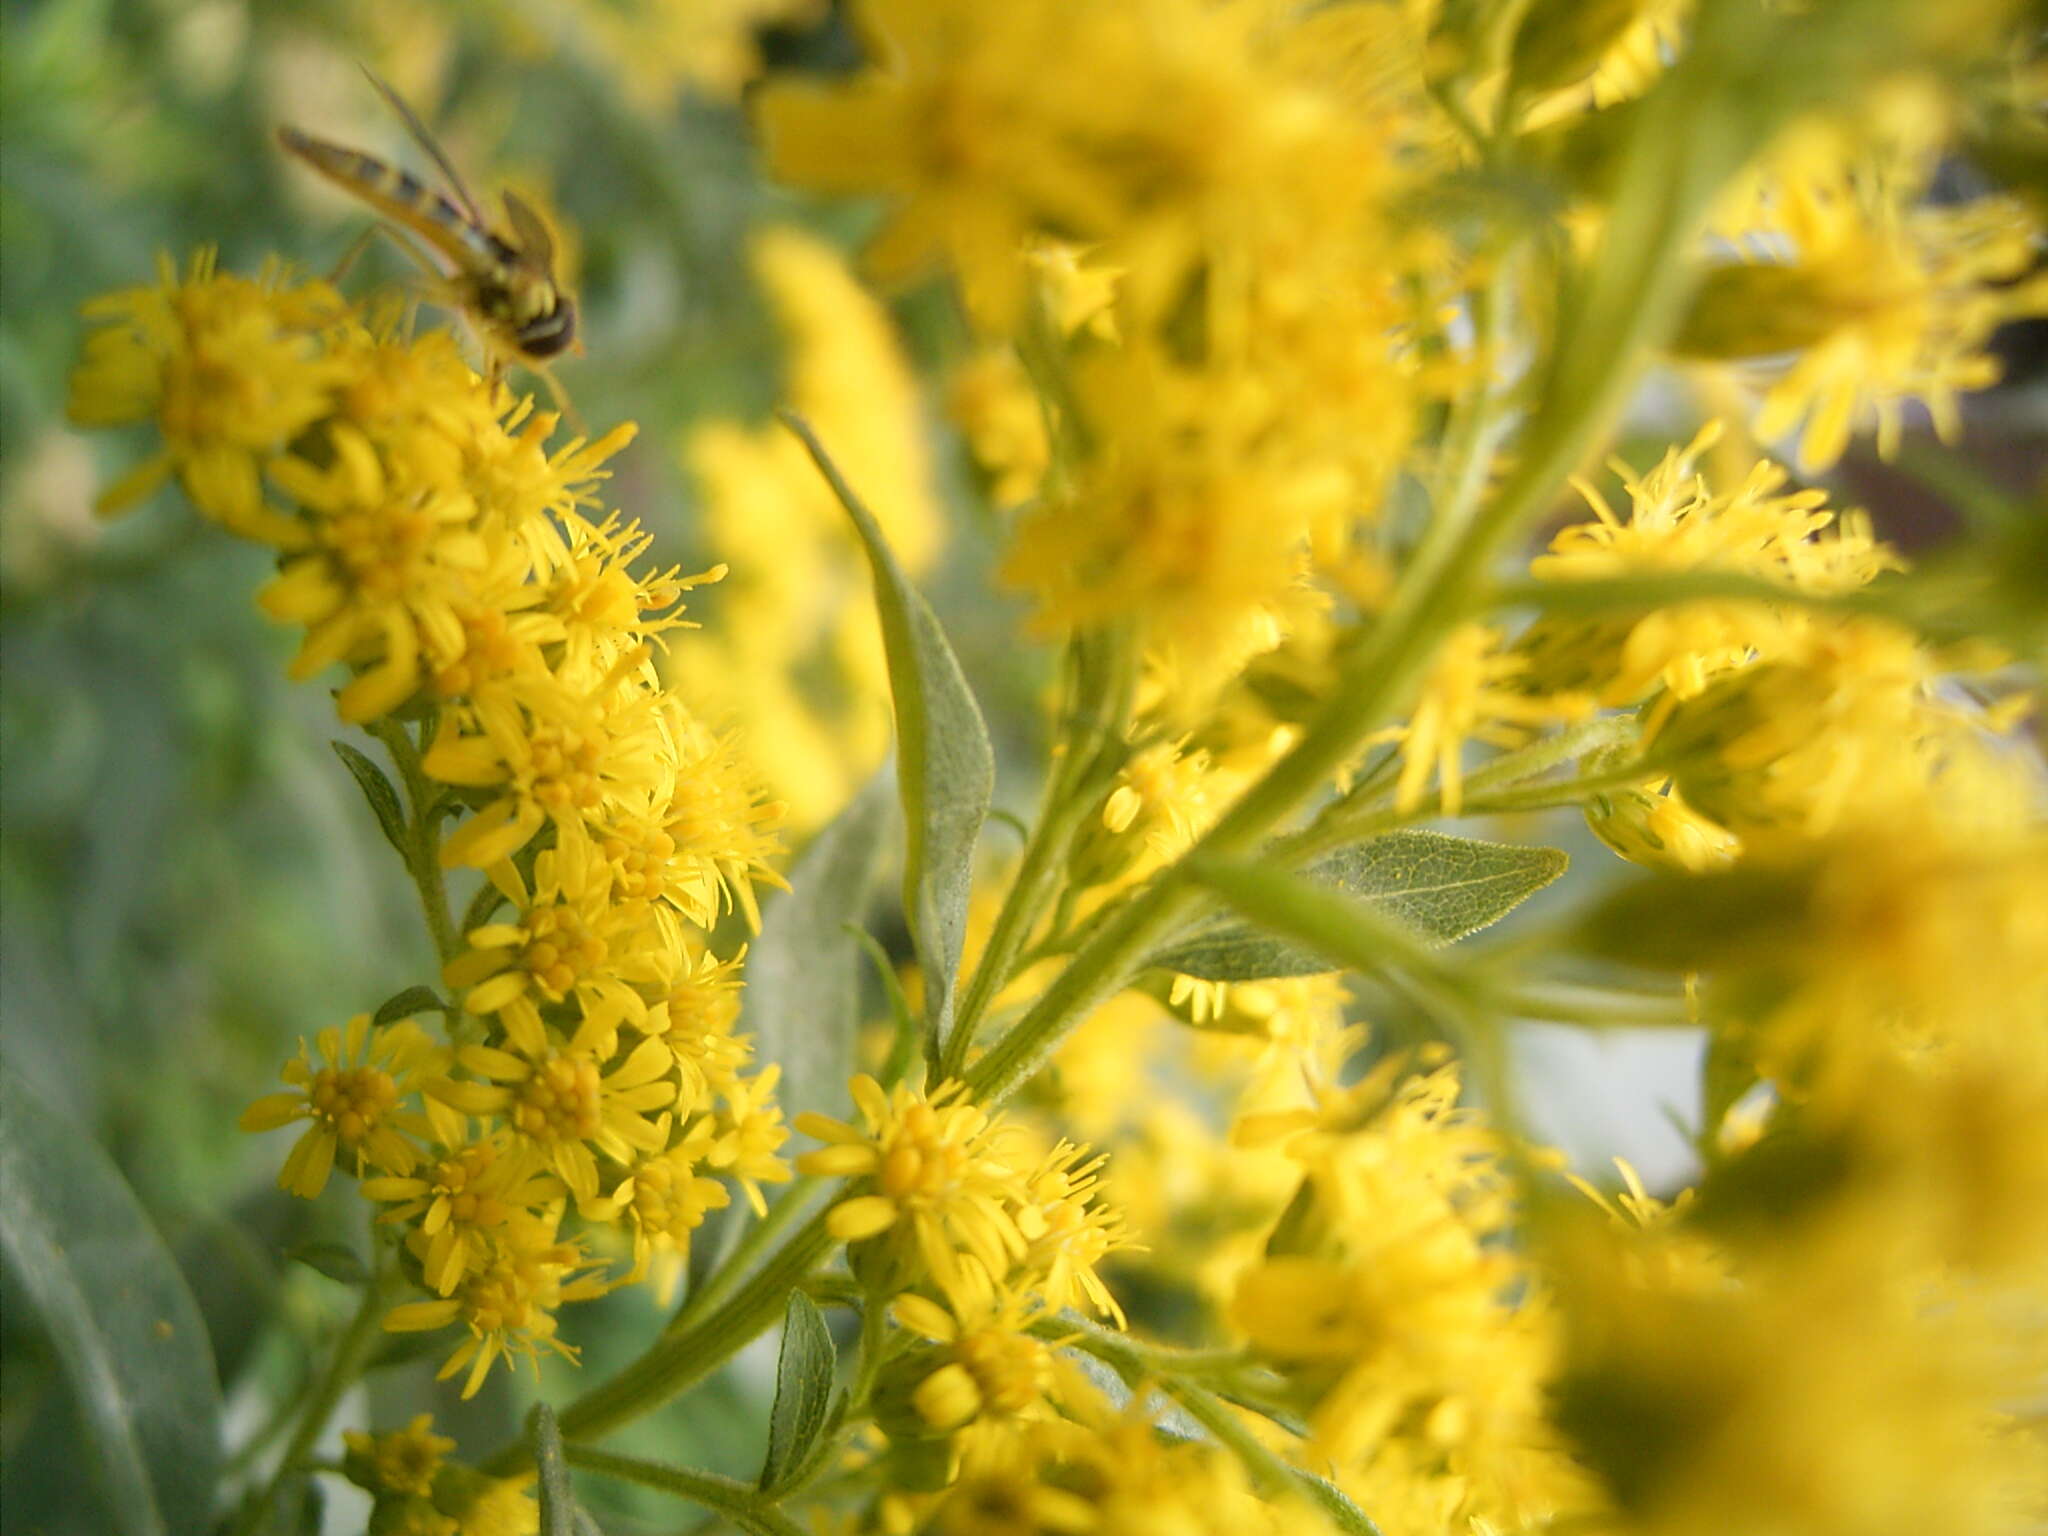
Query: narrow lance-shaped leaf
<point x="801" y="994"/>
<point x="803" y="1391"/>
<point x="378" y="791"/>
<point x="83" y="1258"/>
<point x="903" y="1024"/>
<point x="1439" y="888"/>
<point x="946" y="767"/>
<point x="1320" y="920"/>
<point x="334" y="1260"/>
<point x="407" y="1003"/>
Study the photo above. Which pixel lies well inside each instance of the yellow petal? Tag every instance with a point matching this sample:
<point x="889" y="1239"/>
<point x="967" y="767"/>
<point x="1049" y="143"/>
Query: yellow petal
<point x="862" y="1216"/>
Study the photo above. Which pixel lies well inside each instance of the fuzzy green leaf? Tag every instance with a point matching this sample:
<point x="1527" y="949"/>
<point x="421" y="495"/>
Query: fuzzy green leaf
<point x="82" y="1257"/>
<point x="803" y="1391"/>
<point x="336" y="1261"/>
<point x="407" y="1003"/>
<point x="1439" y="888"/>
<point x="946" y="767"/>
<point x="379" y="792"/>
<point x="802" y="972"/>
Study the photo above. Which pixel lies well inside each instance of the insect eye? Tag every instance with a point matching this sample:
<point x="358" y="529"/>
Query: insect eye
<point x="551" y="333"/>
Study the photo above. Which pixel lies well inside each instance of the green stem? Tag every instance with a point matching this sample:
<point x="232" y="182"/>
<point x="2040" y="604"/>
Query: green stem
<point x="1597" y="1010"/>
<point x="739" y="1502"/>
<point x="1648" y="590"/>
<point x="1100" y="685"/>
<point x="1561" y="792"/>
<point x="874" y="1341"/>
<point x="788" y="1209"/>
<point x="350" y="1354"/>
<point x="423" y="858"/>
<point x="1269" y="1470"/>
<point x="679" y="1360"/>
<point x="1127" y="1354"/>
<point x="1353" y="821"/>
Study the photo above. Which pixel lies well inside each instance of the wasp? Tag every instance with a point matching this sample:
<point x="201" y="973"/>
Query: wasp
<point x="506" y="285"/>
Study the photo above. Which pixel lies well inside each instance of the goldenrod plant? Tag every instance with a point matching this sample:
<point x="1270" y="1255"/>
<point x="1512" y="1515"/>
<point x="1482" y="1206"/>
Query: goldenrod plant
<point x="955" y="988"/>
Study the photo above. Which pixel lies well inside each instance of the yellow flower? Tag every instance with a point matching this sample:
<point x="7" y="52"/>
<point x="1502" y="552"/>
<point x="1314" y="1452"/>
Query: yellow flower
<point x="351" y="1100"/>
<point x="991" y="399"/>
<point x="1678" y="522"/>
<point x="991" y="1369"/>
<point x="564" y="749"/>
<point x="571" y="942"/>
<point x="231" y="370"/>
<point x="507" y="1302"/>
<point x="666" y="1199"/>
<point x="1165" y="795"/>
<point x="721" y="828"/>
<point x="565" y="1103"/>
<point x="1108" y="1474"/>
<point x="401" y="1462"/>
<point x="1069" y="1228"/>
<point x="1820" y="1391"/>
<point x="1880" y="295"/>
<point x="750" y="1133"/>
<point x="937" y="1188"/>
<point x="977" y="121"/>
<point x="1388" y="1291"/>
<point x="385" y="559"/>
<point x="659" y="49"/>
<point x="1849" y="726"/>
<point x="1271" y="1040"/>
<point x="1470" y="693"/>
<point x="1907" y="941"/>
<point x="1195" y="518"/>
<point x="1653" y="825"/>
<point x="697" y="1018"/>
<point x="460" y="1198"/>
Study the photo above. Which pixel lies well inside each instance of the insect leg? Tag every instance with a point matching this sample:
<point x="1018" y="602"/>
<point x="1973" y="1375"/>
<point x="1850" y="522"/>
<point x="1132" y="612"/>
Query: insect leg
<point x="349" y="257"/>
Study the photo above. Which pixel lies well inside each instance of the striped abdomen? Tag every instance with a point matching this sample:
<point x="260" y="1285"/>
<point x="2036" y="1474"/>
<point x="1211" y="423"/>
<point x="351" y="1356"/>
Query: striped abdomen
<point x="404" y="199"/>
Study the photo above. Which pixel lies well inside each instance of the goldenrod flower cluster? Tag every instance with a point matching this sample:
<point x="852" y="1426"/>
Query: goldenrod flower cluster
<point x="1176" y="210"/>
<point x="1289" y="339"/>
<point x="968" y="1234"/>
<point x="495" y="635"/>
<point x="419" y="1490"/>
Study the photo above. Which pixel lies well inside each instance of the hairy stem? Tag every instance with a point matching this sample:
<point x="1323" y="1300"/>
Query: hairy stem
<point x="739" y="1503"/>
<point x="351" y="1352"/>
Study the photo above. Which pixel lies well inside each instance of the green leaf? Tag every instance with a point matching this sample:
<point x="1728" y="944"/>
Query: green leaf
<point x="83" y="1256"/>
<point x="557" y="1503"/>
<point x="803" y="1391"/>
<point x="1320" y="920"/>
<point x="382" y="797"/>
<point x="1439" y="888"/>
<point x="946" y="767"/>
<point x="801" y="1001"/>
<point x="334" y="1260"/>
<point x="1336" y="1503"/>
<point x="407" y="1003"/>
<point x="903" y="1025"/>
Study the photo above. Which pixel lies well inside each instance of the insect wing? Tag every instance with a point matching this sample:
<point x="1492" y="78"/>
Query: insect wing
<point x="429" y="144"/>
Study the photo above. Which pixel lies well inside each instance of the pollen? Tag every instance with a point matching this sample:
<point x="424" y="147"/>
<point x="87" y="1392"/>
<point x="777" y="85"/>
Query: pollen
<point x="562" y="1101"/>
<point x="353" y="1100"/>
